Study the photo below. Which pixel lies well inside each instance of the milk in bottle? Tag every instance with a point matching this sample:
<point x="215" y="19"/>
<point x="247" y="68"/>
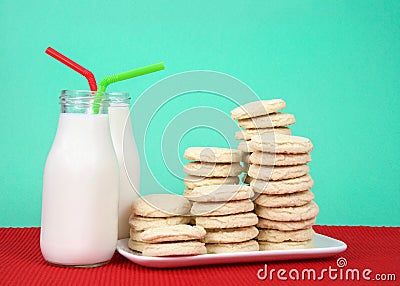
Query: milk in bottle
<point x="80" y="187"/>
<point x="127" y="155"/>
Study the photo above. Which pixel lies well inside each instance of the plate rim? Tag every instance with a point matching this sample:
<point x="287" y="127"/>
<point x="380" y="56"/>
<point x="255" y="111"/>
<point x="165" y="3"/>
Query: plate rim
<point x="307" y="253"/>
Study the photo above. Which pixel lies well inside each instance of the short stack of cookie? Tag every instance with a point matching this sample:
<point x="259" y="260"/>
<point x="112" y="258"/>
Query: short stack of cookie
<point x="212" y="166"/>
<point x="219" y="205"/>
<point x="226" y="212"/>
<point x="280" y="180"/>
<point x="159" y="227"/>
<point x="260" y="117"/>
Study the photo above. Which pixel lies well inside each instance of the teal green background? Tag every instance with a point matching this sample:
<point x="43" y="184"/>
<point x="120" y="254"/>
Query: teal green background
<point x="336" y="64"/>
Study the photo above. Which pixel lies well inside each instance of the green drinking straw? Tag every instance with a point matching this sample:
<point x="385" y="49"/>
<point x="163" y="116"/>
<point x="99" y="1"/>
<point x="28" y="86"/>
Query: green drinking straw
<point x="102" y="86"/>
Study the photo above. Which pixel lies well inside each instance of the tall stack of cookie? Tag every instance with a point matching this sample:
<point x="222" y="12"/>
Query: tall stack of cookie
<point x="260" y="117"/>
<point x="284" y="202"/>
<point x="221" y="206"/>
<point x="159" y="227"/>
<point x="226" y="212"/>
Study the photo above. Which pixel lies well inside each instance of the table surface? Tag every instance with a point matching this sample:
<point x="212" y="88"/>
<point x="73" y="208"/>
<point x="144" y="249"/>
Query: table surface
<point x="374" y="248"/>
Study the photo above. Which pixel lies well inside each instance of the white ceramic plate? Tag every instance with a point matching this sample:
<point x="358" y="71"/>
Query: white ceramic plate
<point x="324" y="246"/>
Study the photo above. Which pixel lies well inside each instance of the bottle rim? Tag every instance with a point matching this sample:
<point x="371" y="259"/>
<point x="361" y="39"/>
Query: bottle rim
<point x="66" y="92"/>
<point x="112" y="96"/>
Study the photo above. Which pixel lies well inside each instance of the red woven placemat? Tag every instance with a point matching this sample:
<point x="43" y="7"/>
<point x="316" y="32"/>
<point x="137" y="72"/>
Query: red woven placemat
<point x="375" y="248"/>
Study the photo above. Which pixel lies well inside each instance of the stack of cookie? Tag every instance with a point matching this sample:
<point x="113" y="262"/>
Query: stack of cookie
<point x="226" y="212"/>
<point x="159" y="227"/>
<point x="284" y="202"/>
<point x="212" y="166"/>
<point x="260" y="117"/>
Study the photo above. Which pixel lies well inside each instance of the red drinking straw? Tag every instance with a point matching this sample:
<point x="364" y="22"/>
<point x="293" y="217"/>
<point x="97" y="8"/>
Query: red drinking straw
<point x="73" y="65"/>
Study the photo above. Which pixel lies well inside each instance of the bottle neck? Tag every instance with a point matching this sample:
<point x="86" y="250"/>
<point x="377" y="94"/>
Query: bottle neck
<point x="84" y="102"/>
<point x="88" y="102"/>
<point x="119" y="99"/>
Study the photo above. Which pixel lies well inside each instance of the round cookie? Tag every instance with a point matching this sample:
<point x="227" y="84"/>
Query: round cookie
<point x="267" y="245"/>
<point x="140" y="223"/>
<point x="230" y="235"/>
<point x="282" y="187"/>
<point x="161" y="205"/>
<point x="274" y="235"/>
<point x="245" y="147"/>
<point x="270" y="159"/>
<point x="219" y="193"/>
<point x="135" y="235"/>
<point x="267" y="121"/>
<point x="246" y="134"/>
<point x="221" y="208"/>
<point x="192" y="182"/>
<point x="286" y="200"/>
<point x="227" y="221"/>
<point x="136" y="245"/>
<point x="280" y="143"/>
<point x="305" y="212"/>
<point x="285" y="225"/>
<point x="213" y="154"/>
<point x="174" y="248"/>
<point x="212" y="170"/>
<point x="257" y="108"/>
<point x="250" y="245"/>
<point x="277" y="173"/>
<point x="180" y="232"/>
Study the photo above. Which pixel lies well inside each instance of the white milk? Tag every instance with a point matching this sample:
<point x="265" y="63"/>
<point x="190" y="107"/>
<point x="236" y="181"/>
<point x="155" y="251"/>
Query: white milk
<point x="127" y="155"/>
<point x="80" y="193"/>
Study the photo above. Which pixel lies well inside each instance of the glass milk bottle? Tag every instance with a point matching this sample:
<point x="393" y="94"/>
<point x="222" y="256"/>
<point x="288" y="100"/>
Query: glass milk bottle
<point x="127" y="155"/>
<point x="80" y="186"/>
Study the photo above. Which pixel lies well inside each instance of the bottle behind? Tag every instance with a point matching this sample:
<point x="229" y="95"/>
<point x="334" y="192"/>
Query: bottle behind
<point x="80" y="187"/>
<point x="127" y="155"/>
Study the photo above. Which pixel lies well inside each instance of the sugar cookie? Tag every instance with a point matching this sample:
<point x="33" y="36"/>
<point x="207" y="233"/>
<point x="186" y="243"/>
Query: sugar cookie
<point x="267" y="245"/>
<point x="213" y="154"/>
<point x="221" y="208"/>
<point x="280" y="143"/>
<point x="174" y="248"/>
<point x="192" y="182"/>
<point x="140" y="223"/>
<point x="285" y="225"/>
<point x="160" y="205"/>
<point x="212" y="170"/>
<point x="246" y="134"/>
<point x="274" y="235"/>
<point x="180" y="232"/>
<point x="299" y="184"/>
<point x="219" y="193"/>
<point x="230" y="235"/>
<point x="268" y="121"/>
<point x="257" y="108"/>
<point x="227" y="221"/>
<point x="270" y="159"/>
<point x="286" y="200"/>
<point x="136" y="245"/>
<point x="245" y="147"/>
<point x="305" y="212"/>
<point x="277" y="173"/>
<point x="250" y="245"/>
